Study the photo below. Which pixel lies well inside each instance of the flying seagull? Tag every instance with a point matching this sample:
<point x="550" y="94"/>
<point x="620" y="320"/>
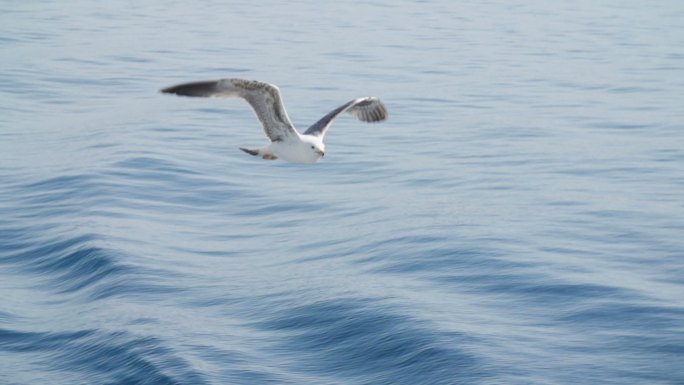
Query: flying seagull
<point x="286" y="142"/>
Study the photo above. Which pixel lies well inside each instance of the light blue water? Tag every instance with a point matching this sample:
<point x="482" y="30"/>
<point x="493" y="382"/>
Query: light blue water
<point x="519" y="219"/>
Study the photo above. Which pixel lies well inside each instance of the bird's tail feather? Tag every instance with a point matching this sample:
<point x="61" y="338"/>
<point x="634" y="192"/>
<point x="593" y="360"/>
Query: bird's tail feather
<point x="250" y="151"/>
<point x="258" y="152"/>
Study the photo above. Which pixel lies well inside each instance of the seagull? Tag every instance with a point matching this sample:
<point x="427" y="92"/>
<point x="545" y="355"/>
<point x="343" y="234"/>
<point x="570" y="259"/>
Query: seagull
<point x="286" y="142"/>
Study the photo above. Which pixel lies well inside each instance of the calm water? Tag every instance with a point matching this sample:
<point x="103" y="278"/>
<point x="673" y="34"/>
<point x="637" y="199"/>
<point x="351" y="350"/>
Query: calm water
<point x="518" y="220"/>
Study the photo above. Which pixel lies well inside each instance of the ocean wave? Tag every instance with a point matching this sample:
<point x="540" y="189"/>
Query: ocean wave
<point x="91" y="356"/>
<point x="363" y="339"/>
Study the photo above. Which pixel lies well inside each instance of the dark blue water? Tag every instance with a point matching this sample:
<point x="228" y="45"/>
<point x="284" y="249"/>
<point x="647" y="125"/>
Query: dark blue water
<point x="517" y="220"/>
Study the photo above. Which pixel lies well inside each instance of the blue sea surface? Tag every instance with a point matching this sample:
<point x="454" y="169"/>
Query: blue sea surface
<point x="518" y="219"/>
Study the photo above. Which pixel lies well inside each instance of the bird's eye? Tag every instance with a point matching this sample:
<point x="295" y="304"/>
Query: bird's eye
<point x="312" y="147"/>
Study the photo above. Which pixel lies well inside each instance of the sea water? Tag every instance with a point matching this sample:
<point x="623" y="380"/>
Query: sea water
<point x="518" y="219"/>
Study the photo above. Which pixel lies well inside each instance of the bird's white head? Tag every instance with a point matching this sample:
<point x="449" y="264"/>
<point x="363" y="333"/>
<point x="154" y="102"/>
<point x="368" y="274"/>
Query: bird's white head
<point x="314" y="146"/>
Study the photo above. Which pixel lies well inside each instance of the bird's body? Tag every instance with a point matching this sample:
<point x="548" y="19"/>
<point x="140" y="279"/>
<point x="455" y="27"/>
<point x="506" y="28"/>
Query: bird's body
<point x="302" y="149"/>
<point x="286" y="142"/>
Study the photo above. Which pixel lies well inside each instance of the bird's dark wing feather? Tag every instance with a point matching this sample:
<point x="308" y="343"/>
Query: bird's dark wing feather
<point x="263" y="97"/>
<point x="369" y="109"/>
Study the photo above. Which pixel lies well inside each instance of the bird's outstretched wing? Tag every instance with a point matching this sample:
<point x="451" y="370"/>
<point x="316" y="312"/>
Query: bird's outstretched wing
<point x="263" y="97"/>
<point x="369" y="109"/>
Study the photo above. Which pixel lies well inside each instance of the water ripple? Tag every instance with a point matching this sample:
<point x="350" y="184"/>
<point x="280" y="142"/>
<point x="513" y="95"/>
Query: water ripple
<point x="362" y="339"/>
<point x="103" y="358"/>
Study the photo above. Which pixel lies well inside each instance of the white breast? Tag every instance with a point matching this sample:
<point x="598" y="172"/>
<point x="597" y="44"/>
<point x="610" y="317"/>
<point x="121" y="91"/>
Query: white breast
<point x="294" y="151"/>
